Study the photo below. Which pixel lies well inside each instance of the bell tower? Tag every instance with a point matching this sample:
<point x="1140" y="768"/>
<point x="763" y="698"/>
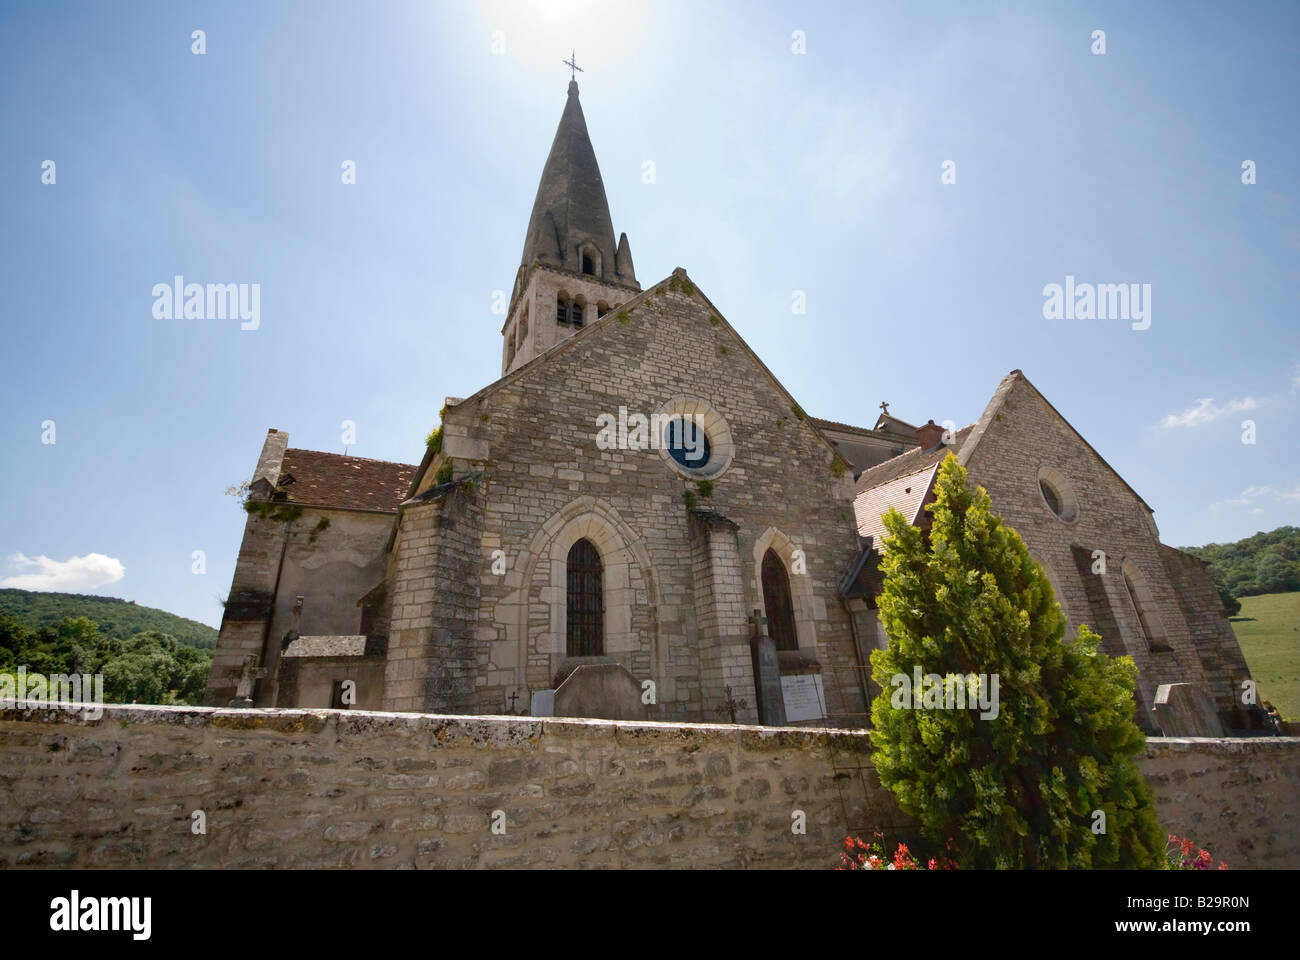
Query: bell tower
<point x="571" y="272"/>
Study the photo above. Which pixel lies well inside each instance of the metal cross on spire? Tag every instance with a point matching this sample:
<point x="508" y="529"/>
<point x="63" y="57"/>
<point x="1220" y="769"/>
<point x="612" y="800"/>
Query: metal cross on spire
<point x="885" y="407"/>
<point x="572" y="64"/>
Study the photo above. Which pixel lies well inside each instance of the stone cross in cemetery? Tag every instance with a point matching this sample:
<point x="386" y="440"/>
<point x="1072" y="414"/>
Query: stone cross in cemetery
<point x="247" y="677"/>
<point x="767" y="674"/>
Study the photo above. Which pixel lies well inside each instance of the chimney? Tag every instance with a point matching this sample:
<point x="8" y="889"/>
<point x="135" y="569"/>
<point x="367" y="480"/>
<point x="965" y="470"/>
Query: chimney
<point x="930" y="436"/>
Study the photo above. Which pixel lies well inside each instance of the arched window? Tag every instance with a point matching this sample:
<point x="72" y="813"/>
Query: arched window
<point x="510" y="347"/>
<point x="575" y="313"/>
<point x="586" y="601"/>
<point x="776" y="598"/>
<point x="561" y="309"/>
<point x="523" y="325"/>
<point x="588" y="267"/>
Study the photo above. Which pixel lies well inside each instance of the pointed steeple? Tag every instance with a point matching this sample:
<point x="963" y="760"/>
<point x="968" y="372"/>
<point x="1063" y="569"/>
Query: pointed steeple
<point x="570" y="214"/>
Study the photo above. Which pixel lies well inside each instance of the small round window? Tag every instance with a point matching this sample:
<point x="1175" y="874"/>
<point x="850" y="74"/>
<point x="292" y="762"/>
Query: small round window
<point x="687" y="443"/>
<point x="1058" y="495"/>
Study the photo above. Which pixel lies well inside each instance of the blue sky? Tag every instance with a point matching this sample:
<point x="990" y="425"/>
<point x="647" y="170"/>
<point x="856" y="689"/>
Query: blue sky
<point x="774" y="172"/>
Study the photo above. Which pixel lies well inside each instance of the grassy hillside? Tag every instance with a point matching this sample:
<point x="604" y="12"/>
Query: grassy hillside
<point x="1268" y="629"/>
<point x="116" y="618"/>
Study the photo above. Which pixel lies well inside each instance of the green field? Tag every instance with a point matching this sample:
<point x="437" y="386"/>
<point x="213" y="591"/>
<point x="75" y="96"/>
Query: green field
<point x="1268" y="629"/>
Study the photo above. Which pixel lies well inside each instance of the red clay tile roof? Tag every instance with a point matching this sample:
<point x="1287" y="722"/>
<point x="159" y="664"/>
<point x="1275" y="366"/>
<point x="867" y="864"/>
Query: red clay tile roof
<point x="910" y="462"/>
<point x="905" y="494"/>
<point x="334" y="480"/>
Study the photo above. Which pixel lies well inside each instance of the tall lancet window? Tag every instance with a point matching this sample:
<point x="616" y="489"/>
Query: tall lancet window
<point x="586" y="602"/>
<point x="780" y="607"/>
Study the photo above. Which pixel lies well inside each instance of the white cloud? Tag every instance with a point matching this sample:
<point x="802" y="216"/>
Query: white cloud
<point x="67" y="576"/>
<point x="1253" y="493"/>
<point x="1204" y="411"/>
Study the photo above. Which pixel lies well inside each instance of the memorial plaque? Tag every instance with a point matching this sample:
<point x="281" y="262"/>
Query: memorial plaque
<point x="804" y="697"/>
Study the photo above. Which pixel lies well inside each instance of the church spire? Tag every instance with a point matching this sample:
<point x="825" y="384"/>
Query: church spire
<point x="570" y="226"/>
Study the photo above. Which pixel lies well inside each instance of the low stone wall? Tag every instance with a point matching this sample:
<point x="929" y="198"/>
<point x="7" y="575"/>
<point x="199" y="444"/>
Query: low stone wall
<point x="325" y="788"/>
<point x="1237" y="798"/>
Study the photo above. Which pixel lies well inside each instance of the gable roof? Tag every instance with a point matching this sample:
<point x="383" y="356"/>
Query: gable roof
<point x="677" y="278"/>
<point x="906" y="494"/>
<point x="835" y="425"/>
<point x="911" y="462"/>
<point x="999" y="399"/>
<point x="886" y="421"/>
<point x="355" y="483"/>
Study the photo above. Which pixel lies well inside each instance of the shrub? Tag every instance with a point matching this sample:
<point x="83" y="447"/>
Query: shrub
<point x="1023" y="787"/>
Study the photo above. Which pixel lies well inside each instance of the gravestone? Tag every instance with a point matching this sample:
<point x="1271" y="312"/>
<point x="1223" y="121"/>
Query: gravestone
<point x="604" y="691"/>
<point x="244" y="687"/>
<point x="1183" y="710"/>
<point x="542" y="703"/>
<point x="767" y="674"/>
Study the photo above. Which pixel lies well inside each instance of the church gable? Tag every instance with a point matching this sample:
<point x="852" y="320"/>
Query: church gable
<point x="669" y="352"/>
<point x="585" y="455"/>
<point x="1091" y="532"/>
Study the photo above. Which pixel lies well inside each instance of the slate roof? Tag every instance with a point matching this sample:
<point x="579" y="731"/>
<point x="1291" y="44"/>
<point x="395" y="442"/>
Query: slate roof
<point x="910" y="462"/>
<point x="868" y="431"/>
<point x="906" y="494"/>
<point x="334" y="480"/>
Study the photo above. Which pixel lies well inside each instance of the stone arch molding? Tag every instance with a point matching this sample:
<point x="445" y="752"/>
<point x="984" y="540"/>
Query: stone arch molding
<point x="621" y="549"/>
<point x="706" y="415"/>
<point x="802" y="596"/>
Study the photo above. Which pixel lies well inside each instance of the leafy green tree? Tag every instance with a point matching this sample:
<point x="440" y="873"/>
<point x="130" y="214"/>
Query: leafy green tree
<point x="1021" y="789"/>
<point x="1231" y="605"/>
<point x="1247" y="567"/>
<point x="1275" y="573"/>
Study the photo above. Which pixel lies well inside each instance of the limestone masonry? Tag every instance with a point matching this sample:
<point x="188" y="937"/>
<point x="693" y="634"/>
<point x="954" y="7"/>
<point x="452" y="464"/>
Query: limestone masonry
<point x="325" y="788"/>
<point x="716" y="555"/>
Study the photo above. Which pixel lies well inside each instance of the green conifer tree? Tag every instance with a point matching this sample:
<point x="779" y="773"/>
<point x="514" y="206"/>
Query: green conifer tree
<point x="1021" y="789"/>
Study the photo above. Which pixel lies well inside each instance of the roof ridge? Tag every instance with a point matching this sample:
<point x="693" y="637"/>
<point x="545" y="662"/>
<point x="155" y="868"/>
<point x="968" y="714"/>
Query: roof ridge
<point x="349" y="456"/>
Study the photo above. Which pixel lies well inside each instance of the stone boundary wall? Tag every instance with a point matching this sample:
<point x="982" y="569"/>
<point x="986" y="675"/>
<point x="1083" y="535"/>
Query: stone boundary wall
<point x="1238" y="798"/>
<point x="347" y="788"/>
<point x="327" y="788"/>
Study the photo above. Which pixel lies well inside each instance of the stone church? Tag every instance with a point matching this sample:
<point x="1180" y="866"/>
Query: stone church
<point x="637" y="520"/>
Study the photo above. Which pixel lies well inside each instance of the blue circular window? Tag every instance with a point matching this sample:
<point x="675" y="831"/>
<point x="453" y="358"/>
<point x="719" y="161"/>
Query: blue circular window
<point x="687" y="443"/>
